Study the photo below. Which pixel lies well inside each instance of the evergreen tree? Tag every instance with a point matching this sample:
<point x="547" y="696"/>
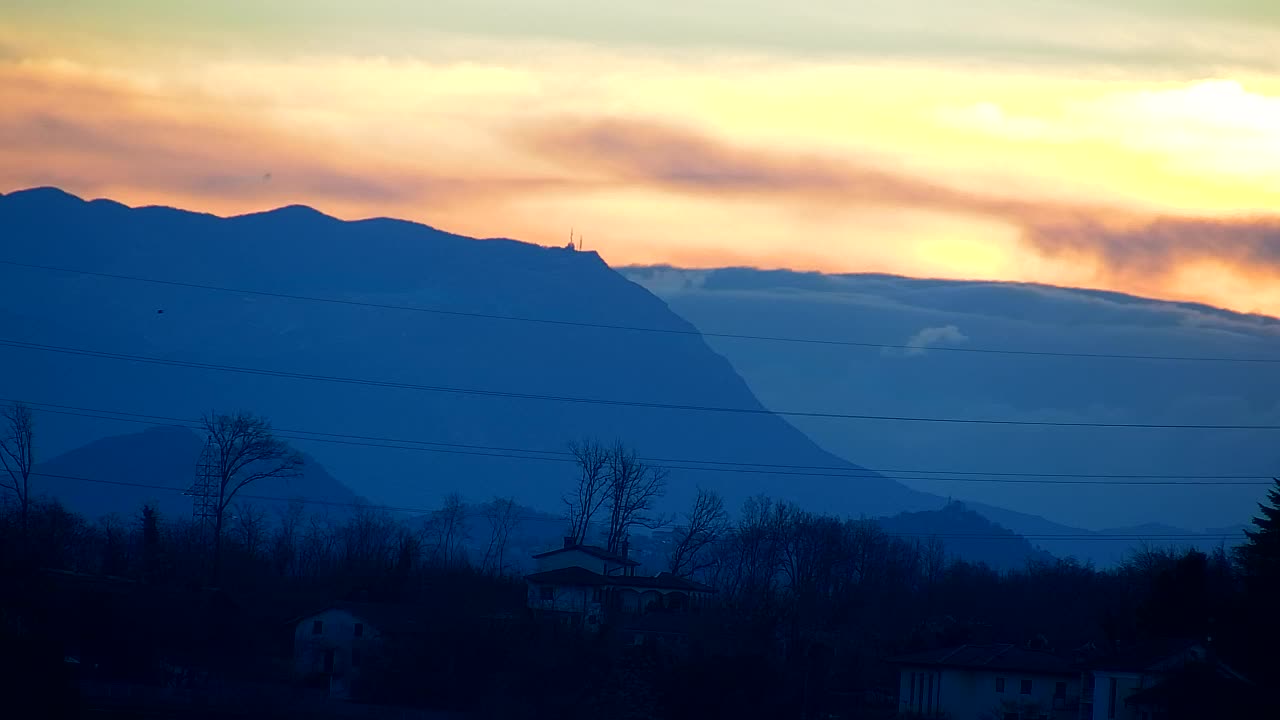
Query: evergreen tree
<point x="1257" y="625"/>
<point x="1259" y="556"/>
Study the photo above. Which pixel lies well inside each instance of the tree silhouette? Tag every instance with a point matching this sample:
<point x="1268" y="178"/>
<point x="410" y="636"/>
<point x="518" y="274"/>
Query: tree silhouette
<point x="17" y="454"/>
<point x="247" y="451"/>
<point x="1259" y="556"/>
<point x="592" y="459"/>
<point x="704" y="525"/>
<point x="633" y="488"/>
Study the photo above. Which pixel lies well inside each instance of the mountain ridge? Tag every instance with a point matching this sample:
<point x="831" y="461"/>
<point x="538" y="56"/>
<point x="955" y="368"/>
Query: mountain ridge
<point x="410" y="264"/>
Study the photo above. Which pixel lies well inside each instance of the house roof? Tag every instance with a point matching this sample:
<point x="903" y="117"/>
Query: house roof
<point x="1215" y="680"/>
<point x="568" y="576"/>
<point x="992" y="657"/>
<point x="386" y="618"/>
<point x="593" y="550"/>
<point x="1147" y="656"/>
<point x="581" y="576"/>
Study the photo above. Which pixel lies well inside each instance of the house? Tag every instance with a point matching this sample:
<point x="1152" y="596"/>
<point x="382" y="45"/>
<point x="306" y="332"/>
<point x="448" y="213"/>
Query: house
<point x="331" y="645"/>
<point x="1005" y="682"/>
<point x="587" y="586"/>
<point x="1147" y="681"/>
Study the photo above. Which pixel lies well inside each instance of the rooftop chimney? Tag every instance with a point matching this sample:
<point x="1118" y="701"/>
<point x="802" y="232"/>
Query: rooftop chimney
<point x="569" y="541"/>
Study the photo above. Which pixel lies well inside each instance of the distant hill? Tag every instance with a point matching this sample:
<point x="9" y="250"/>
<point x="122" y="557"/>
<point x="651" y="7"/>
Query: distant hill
<point x="902" y="373"/>
<point x="166" y="457"/>
<point x="986" y="541"/>
<point x="470" y="439"/>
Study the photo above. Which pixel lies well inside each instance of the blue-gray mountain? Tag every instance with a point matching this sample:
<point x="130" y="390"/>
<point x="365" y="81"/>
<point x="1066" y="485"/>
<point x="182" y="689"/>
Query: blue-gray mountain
<point x="923" y="382"/>
<point x="156" y="466"/>
<point x="300" y="251"/>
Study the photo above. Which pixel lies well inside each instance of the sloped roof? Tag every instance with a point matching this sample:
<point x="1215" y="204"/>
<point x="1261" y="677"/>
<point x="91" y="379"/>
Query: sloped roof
<point x="1202" y="680"/>
<point x="568" y="576"/>
<point x="666" y="581"/>
<point x="992" y="657"/>
<point x="583" y="577"/>
<point x="593" y="550"/>
<point x="1147" y="656"/>
<point x="386" y="618"/>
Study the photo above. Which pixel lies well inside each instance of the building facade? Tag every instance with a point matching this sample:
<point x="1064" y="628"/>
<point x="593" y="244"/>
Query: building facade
<point x="587" y="586"/>
<point x="977" y="682"/>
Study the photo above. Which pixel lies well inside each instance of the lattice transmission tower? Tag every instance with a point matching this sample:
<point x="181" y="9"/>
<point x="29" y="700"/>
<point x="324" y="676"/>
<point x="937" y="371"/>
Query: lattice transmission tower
<point x="204" y="491"/>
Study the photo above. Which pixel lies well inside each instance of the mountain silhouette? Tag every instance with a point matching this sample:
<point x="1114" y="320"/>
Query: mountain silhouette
<point x="127" y="471"/>
<point x="300" y="251"/>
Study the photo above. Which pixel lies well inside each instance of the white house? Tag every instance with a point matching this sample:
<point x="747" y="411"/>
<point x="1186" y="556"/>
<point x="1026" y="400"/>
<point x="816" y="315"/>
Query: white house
<point x="1134" y="683"/>
<point x="981" y="682"/>
<point x="333" y="644"/>
<point x="583" y="585"/>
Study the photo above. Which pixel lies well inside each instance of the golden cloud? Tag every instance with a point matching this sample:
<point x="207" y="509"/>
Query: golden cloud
<point x="1124" y="243"/>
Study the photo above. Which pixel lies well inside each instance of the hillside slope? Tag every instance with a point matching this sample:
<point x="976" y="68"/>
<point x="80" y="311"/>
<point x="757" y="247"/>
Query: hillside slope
<point x="1009" y="466"/>
<point x="119" y="467"/>
<point x="300" y="251"/>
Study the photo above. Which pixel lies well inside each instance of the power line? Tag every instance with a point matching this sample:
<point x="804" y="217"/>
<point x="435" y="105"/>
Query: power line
<point x="734" y="467"/>
<point x="480" y="392"/>
<point x="633" y="328"/>
<point x="1010" y="535"/>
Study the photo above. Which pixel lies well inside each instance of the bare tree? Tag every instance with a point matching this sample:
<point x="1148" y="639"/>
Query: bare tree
<point x="250" y="527"/>
<point x="284" y="545"/>
<point x="589" y="496"/>
<point x="246" y="451"/>
<point x="17" y="453"/>
<point x="633" y="487"/>
<point x="369" y="540"/>
<point x="503" y="516"/>
<point x="750" y="557"/>
<point x="115" y="547"/>
<point x="703" y="527"/>
<point x="448" y="531"/>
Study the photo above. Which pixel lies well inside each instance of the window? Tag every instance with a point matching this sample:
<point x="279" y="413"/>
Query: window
<point x="1060" y="691"/>
<point x="1026" y="687"/>
<point x="597" y="595"/>
<point x="929" y="706"/>
<point x="999" y="685"/>
<point x="548" y="594"/>
<point x="359" y="630"/>
<point x="1111" y="699"/>
<point x="355" y="657"/>
<point x="317" y="627"/>
<point x="911" y="693"/>
<point x="1011" y="716"/>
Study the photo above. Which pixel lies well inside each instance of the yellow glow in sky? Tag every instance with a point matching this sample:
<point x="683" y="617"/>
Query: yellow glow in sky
<point x="1115" y="161"/>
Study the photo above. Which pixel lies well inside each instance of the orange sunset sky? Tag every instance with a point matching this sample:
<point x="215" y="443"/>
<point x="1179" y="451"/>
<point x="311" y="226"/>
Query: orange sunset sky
<point x="1130" y="145"/>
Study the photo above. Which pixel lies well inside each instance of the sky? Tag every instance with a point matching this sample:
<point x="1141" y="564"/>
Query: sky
<point x="1130" y="145"/>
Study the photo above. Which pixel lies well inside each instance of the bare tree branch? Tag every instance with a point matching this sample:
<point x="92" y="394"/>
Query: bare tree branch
<point x="703" y="527"/>
<point x="17" y="454"/>
<point x="247" y="451"/>
<point x="503" y="517"/>
<point x="633" y="488"/>
<point x="592" y="489"/>
<point x="447" y="528"/>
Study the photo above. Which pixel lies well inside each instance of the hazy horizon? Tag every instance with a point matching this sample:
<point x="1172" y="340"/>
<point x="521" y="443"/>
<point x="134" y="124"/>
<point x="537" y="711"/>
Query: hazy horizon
<point x="1038" y="141"/>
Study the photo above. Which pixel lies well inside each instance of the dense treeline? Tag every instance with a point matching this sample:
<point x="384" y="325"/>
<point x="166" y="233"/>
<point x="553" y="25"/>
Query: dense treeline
<point x="809" y="608"/>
